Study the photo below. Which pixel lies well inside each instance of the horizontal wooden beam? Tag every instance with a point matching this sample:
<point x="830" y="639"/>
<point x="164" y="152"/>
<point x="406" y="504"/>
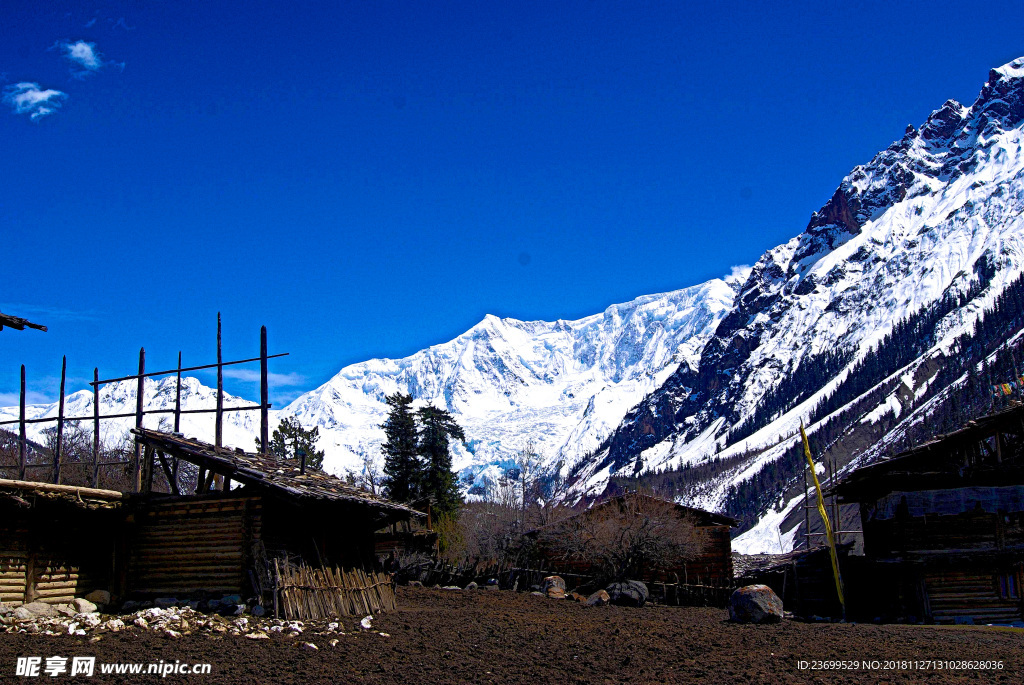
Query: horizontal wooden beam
<point x="190" y="368"/>
<point x="63" y="489"/>
<point x="247" y="407"/>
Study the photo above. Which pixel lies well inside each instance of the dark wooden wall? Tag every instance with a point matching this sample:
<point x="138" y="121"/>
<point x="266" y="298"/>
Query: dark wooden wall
<point x="192" y="545"/>
<point x="54" y="551"/>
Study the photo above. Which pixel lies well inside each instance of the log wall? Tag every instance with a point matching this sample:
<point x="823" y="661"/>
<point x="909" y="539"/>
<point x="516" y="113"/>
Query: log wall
<point x="186" y="546"/>
<point x="53" y="552"/>
<point x="980" y="595"/>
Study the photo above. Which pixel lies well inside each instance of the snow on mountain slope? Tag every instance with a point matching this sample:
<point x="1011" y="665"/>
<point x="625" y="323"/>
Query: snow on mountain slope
<point x="938" y="213"/>
<point x="565" y="385"/>
<point x="240" y="427"/>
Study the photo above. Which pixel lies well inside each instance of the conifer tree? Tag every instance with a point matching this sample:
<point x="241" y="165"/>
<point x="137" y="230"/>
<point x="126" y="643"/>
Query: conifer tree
<point x="290" y="440"/>
<point x="439" y="482"/>
<point x="402" y="466"/>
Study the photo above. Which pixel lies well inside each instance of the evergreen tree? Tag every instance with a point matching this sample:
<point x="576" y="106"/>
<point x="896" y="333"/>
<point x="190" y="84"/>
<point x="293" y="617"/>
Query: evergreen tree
<point x="290" y="440"/>
<point x="439" y="482"/>
<point x="402" y="467"/>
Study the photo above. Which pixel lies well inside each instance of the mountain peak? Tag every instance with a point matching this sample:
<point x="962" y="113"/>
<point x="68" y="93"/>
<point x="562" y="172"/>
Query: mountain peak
<point x="1014" y="69"/>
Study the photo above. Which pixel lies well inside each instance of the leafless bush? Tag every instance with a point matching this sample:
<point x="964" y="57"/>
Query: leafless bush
<point x="625" y="537"/>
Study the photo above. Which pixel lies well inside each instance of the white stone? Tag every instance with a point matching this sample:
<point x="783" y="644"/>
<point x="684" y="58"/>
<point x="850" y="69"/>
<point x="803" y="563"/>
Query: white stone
<point x="83" y="606"/>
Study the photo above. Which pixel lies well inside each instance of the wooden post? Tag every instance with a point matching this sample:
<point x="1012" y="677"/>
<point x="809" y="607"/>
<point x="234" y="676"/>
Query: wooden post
<point x="147" y="473"/>
<point x="137" y="466"/>
<point x="95" y="427"/>
<point x="264" y="394"/>
<point x="22" y="442"/>
<point x="807" y="513"/>
<point x="219" y="434"/>
<point x="177" y="400"/>
<point x="60" y="422"/>
<point x="177" y="421"/>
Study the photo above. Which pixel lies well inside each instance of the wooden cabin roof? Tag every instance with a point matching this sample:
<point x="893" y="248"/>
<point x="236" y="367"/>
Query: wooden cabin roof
<point x="264" y="471"/>
<point x="87" y="498"/>
<point x="988" y="451"/>
<point x="18" y="323"/>
<point x="701" y="517"/>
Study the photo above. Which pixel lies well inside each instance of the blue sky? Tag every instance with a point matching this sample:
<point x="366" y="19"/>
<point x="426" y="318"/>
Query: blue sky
<point x="370" y="178"/>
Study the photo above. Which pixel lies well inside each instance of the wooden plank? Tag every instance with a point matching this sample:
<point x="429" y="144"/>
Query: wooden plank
<point x="96" y="428"/>
<point x="139" y="397"/>
<point x="60" y="422"/>
<point x="22" y="441"/>
<point x="70" y="489"/>
<point x="264" y="394"/>
<point x="219" y="426"/>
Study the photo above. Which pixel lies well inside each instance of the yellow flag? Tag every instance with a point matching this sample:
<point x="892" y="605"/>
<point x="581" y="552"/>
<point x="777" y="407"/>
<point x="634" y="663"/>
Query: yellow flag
<point x="824" y="518"/>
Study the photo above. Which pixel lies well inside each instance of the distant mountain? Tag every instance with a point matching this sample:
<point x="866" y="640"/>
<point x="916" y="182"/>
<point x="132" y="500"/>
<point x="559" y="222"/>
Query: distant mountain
<point x="851" y="323"/>
<point x="886" y="320"/>
<point x="565" y="385"/>
<point x="240" y="427"/>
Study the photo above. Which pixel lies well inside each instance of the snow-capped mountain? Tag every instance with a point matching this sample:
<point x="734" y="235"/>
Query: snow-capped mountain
<point x="930" y="231"/>
<point x="874" y="326"/>
<point x="564" y="385"/>
<point x="240" y="428"/>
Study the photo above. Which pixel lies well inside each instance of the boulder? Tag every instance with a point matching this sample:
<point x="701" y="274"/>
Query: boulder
<point x="554" y="587"/>
<point x="598" y="599"/>
<point x="38" y="610"/>
<point x="576" y="597"/>
<point x="65" y="610"/>
<point x="99" y="597"/>
<point x="166" y="602"/>
<point x="553" y="581"/>
<point x="83" y="606"/>
<point x="472" y="586"/>
<point x="755" y="604"/>
<point x="628" y="593"/>
<point x="257" y="610"/>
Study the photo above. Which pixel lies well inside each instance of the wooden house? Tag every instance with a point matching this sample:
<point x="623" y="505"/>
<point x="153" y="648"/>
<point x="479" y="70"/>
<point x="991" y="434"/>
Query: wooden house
<point x="57" y="542"/>
<point x="248" y="526"/>
<point x="944" y="525"/>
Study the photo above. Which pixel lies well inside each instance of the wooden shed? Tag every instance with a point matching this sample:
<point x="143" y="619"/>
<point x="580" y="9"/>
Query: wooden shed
<point x="299" y="541"/>
<point x="944" y="525"/>
<point x="57" y="542"/>
<point x="710" y="566"/>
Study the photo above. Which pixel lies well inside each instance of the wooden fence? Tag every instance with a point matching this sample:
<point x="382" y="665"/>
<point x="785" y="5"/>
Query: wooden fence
<point x="304" y="593"/>
<point x="672" y="594"/>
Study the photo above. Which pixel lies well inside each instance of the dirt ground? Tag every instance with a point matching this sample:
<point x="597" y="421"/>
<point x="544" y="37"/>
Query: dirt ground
<point x="445" y="636"/>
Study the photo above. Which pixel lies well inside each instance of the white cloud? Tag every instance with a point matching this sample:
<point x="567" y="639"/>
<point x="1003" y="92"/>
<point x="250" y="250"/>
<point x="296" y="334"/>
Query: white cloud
<point x="84" y="56"/>
<point x="13" y="399"/>
<point x="273" y="379"/>
<point x="29" y="98"/>
<point x="738" y="274"/>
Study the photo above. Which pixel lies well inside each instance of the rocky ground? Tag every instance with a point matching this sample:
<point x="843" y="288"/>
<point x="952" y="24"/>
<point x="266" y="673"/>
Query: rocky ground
<point x="488" y="636"/>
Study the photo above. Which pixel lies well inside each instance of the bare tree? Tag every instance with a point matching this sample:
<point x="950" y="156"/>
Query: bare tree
<point x="626" y="537"/>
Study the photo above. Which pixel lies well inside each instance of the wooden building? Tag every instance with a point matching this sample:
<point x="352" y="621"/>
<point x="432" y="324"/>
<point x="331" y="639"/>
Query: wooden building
<point x="709" y="566"/>
<point x="56" y="542"/>
<point x="944" y="525"/>
<point x="247" y="522"/>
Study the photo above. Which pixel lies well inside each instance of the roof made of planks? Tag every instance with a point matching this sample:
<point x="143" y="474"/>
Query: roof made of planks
<point x="18" y="323"/>
<point x="988" y="451"/>
<point x="264" y="471"/>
